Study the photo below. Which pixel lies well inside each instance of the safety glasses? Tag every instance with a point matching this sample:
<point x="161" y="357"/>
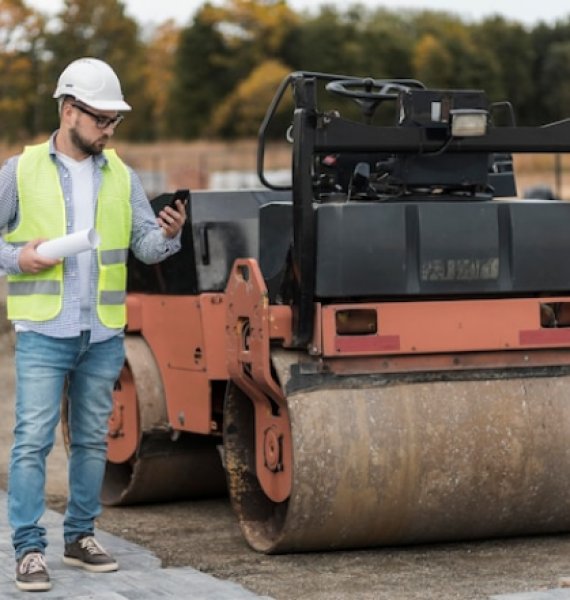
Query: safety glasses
<point x="100" y="121"/>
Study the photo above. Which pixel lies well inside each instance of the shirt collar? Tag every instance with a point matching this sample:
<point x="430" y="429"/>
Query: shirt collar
<point x="99" y="159"/>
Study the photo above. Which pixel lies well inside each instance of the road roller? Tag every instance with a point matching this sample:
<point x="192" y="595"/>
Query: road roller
<point x="377" y="353"/>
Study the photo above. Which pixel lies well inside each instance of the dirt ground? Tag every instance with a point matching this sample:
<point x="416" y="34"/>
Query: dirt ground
<point x="206" y="536"/>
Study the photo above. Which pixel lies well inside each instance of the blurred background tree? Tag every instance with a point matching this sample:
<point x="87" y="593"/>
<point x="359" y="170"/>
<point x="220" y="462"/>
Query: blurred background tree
<point x="159" y="72"/>
<point x="215" y="76"/>
<point x="241" y="112"/>
<point x="100" y="28"/>
<point x="21" y="46"/>
<point x="219" y="51"/>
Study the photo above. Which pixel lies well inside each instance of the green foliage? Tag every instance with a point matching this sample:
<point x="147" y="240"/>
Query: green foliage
<point x="433" y="62"/>
<point x="159" y="72"/>
<point x="556" y="79"/>
<point x="202" y="77"/>
<point x="447" y="54"/>
<point x="219" y="50"/>
<point x="241" y="113"/>
<point x="100" y="28"/>
<point x="216" y="75"/>
<point x="511" y="48"/>
<point x="549" y="71"/>
<point x="387" y="41"/>
<point x="328" y="43"/>
<point x="20" y="39"/>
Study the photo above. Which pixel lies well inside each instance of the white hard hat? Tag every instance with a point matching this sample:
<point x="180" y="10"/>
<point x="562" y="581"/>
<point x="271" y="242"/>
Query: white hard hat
<point x="93" y="82"/>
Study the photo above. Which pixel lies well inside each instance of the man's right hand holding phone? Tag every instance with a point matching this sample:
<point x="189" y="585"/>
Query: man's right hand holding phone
<point x="173" y="216"/>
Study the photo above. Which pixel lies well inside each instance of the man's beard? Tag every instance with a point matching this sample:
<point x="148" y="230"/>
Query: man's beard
<point x="90" y="148"/>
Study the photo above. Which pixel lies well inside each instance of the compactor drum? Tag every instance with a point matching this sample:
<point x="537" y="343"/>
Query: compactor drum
<point x="377" y="354"/>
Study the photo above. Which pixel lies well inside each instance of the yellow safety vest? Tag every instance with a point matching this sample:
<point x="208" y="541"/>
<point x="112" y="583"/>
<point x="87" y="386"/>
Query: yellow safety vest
<point x="42" y="214"/>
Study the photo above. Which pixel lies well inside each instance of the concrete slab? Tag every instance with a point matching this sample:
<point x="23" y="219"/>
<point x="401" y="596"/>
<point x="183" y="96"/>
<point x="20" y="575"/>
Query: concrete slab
<point x="140" y="576"/>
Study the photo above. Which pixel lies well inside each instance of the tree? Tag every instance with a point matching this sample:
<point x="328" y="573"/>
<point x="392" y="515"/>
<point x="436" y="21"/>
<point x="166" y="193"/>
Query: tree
<point x="202" y="77"/>
<point x="511" y="46"/>
<point x="453" y="47"/>
<point x="549" y="73"/>
<point x="188" y="82"/>
<point x="20" y="36"/>
<point x="220" y="49"/>
<point x="387" y="44"/>
<point x="241" y="113"/>
<point x="556" y="79"/>
<point x="433" y="63"/>
<point x="328" y="42"/>
<point x="159" y="71"/>
<point x="100" y="28"/>
<point x="256" y="30"/>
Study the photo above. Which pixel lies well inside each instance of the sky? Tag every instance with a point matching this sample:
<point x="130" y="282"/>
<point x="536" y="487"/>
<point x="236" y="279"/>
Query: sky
<point x="526" y="12"/>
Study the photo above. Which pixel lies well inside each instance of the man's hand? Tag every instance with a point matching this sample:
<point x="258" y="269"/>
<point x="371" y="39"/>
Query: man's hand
<point x="170" y="220"/>
<point x="32" y="262"/>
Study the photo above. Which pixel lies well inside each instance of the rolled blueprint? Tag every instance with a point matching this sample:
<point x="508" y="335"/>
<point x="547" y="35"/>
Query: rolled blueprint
<point x="69" y="245"/>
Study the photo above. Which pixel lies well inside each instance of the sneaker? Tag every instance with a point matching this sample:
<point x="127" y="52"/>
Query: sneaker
<point x="87" y="552"/>
<point x="31" y="573"/>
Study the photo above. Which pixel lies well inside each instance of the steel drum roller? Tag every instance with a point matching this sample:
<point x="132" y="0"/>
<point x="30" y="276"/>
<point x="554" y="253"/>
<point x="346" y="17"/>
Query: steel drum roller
<point x="409" y="463"/>
<point x="162" y="467"/>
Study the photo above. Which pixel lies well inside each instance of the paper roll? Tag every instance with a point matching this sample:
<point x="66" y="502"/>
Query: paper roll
<point x="69" y="245"/>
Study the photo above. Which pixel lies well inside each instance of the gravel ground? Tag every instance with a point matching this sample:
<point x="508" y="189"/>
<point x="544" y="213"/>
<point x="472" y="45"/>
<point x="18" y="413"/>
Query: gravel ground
<point x="205" y="535"/>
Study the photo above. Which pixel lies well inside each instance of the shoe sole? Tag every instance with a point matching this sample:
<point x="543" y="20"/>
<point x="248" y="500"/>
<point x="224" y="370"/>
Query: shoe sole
<point x="36" y="586"/>
<point x="75" y="562"/>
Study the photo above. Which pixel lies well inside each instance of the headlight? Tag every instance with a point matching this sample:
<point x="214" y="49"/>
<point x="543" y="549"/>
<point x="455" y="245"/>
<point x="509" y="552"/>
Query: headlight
<point x="468" y="122"/>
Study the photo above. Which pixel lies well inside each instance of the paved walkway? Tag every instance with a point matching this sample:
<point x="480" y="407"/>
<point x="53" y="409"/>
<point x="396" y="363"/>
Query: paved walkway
<point x="556" y="594"/>
<point x="140" y="576"/>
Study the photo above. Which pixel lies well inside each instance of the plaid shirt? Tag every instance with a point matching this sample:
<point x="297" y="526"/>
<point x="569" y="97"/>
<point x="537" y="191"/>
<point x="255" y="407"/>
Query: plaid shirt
<point x="147" y="243"/>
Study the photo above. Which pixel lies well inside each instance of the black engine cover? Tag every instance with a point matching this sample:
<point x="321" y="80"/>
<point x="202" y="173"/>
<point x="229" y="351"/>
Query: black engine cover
<point x="446" y="248"/>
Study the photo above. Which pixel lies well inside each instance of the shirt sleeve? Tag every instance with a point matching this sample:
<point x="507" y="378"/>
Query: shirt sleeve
<point x="148" y="243"/>
<point x="8" y="216"/>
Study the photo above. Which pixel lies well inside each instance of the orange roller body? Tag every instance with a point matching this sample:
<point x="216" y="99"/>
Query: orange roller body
<point x="377" y="353"/>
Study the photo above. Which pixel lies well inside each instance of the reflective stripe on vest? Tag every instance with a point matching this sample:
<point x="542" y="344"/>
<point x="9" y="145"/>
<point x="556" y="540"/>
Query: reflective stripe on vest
<point x="27" y="288"/>
<point x="42" y="214"/>
<point x="112" y="298"/>
<point x="108" y="257"/>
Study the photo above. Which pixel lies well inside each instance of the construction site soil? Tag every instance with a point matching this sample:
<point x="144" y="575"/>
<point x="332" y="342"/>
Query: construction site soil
<point x="206" y="536"/>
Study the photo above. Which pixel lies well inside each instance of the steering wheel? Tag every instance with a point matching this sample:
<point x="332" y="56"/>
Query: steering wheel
<point x="368" y="92"/>
<point x="367" y="88"/>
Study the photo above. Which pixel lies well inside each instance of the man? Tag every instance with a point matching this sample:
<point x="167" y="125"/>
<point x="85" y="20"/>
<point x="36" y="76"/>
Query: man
<point x="69" y="314"/>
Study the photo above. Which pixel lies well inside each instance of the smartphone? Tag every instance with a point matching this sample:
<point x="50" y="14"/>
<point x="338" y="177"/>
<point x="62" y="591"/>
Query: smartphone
<point x="183" y="195"/>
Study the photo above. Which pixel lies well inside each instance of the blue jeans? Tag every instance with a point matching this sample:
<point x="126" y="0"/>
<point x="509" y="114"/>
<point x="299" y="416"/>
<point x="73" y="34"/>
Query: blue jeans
<point x="43" y="366"/>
